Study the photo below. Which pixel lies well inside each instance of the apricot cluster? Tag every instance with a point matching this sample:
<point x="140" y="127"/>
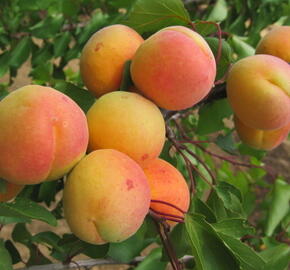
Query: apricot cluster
<point x="111" y="155"/>
<point x="258" y="89"/>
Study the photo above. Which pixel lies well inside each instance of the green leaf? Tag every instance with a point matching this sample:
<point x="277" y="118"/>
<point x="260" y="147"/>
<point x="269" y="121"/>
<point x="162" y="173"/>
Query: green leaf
<point x="203" y="28"/>
<point x="47" y="191"/>
<point x="127" y="250"/>
<point x="199" y="207"/>
<point x="219" y="11"/>
<point x="49" y="238"/>
<point x="70" y="8"/>
<point x="3" y="186"/>
<point x="22" y="207"/>
<point x="48" y="27"/>
<point x="42" y="55"/>
<point x="20" y="53"/>
<point x="181" y="247"/>
<point x="81" y="96"/>
<point x="226" y="55"/>
<point x="279" y="206"/>
<point x="21" y="234"/>
<point x="211" y="116"/>
<point x="231" y="197"/>
<point x="10" y="220"/>
<point x="227" y="143"/>
<point x="152" y="15"/>
<point x="60" y="44"/>
<point x="276" y="257"/>
<point x="42" y="73"/>
<point x="241" y="48"/>
<point x="26" y="5"/>
<point x="234" y="227"/>
<point x="152" y="261"/>
<point x="15" y="256"/>
<point x="247" y="257"/>
<point x="217" y="206"/>
<point x="5" y="259"/>
<point x="95" y="251"/>
<point x="4" y="64"/>
<point x="209" y="252"/>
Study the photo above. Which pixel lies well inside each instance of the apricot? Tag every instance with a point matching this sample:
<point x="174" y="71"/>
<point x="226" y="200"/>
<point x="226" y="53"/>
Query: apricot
<point x="104" y="55"/>
<point x="128" y="123"/>
<point x="175" y="68"/>
<point x="258" y="90"/>
<point x="276" y="42"/>
<point x="43" y="135"/>
<point x="11" y="191"/>
<point x="106" y="197"/>
<point x="261" y="139"/>
<point x="168" y="185"/>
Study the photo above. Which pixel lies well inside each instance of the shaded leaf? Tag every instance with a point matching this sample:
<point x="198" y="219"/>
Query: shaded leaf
<point x="48" y="27"/>
<point x="211" y="116"/>
<point x="5" y="259"/>
<point x="20" y="53"/>
<point x="15" y="256"/>
<point x="61" y="43"/>
<point x="226" y="55"/>
<point x="81" y="96"/>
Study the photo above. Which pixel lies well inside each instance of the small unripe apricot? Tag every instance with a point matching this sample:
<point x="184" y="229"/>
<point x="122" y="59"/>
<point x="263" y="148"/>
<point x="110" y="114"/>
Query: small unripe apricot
<point x="106" y="197"/>
<point x="104" y="55"/>
<point x="258" y="90"/>
<point x="276" y="42"/>
<point x="11" y="191"/>
<point x="128" y="123"/>
<point x="168" y="185"/>
<point x="43" y="135"/>
<point x="175" y="68"/>
<point x="261" y="139"/>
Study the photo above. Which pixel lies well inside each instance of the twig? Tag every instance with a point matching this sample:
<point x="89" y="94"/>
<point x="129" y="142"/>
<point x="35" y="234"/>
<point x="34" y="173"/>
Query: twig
<point x="163" y="229"/>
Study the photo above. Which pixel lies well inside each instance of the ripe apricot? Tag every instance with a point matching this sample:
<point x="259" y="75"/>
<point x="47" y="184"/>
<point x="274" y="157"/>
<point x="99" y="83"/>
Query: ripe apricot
<point x="175" y="68"/>
<point x="106" y="197"/>
<point x="261" y="139"/>
<point x="43" y="135"/>
<point x="104" y="55"/>
<point x="168" y="185"/>
<point x="128" y="123"/>
<point x="258" y="89"/>
<point x="276" y="42"/>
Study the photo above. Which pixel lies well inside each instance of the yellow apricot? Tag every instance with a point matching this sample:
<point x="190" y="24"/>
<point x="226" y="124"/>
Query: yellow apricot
<point x="106" y="197"/>
<point x="128" y="123"/>
<point x="104" y="55"/>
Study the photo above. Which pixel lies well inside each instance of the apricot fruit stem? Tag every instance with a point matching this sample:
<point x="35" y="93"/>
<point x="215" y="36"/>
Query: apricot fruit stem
<point x="166" y="216"/>
<point x="169" y="204"/>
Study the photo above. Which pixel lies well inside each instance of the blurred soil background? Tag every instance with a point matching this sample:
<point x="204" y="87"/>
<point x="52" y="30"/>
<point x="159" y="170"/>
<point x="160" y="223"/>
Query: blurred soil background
<point x="278" y="159"/>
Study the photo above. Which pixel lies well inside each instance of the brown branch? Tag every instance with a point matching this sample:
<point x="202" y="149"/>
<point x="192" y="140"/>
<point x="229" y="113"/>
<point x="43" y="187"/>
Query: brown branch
<point x="163" y="229"/>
